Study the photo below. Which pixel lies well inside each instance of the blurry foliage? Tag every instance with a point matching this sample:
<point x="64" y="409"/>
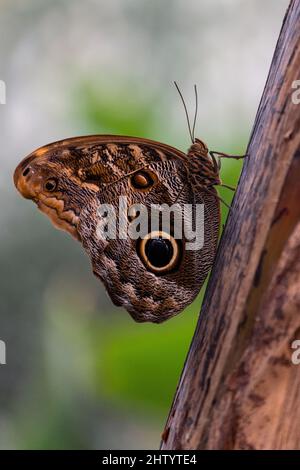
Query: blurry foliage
<point x="139" y="367"/>
<point x="115" y="108"/>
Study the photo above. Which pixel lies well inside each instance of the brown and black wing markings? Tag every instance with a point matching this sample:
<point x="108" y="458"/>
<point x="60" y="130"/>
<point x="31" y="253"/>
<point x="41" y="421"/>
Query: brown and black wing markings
<point x="105" y="159"/>
<point x="89" y="140"/>
<point x="80" y="145"/>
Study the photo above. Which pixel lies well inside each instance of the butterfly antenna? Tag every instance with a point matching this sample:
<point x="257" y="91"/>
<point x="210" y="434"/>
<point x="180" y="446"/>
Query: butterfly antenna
<point x="186" y="112"/>
<point x="196" y="112"/>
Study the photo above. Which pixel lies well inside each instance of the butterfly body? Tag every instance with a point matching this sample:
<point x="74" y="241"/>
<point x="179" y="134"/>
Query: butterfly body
<point x="154" y="276"/>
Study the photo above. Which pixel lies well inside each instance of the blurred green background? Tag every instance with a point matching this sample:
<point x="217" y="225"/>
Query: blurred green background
<point x="80" y="373"/>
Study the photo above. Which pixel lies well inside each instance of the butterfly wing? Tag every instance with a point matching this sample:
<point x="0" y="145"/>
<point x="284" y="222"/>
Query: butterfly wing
<point x="91" y="171"/>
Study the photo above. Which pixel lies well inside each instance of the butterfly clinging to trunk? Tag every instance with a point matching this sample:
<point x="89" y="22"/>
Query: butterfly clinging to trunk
<point x="156" y="273"/>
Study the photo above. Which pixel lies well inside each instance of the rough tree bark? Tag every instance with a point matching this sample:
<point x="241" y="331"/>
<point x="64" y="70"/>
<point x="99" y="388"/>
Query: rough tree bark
<point x="239" y="388"/>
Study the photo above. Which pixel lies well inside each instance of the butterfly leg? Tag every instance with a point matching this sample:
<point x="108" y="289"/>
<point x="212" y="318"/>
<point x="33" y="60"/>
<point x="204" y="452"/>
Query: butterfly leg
<point x="216" y="163"/>
<point x="226" y="155"/>
<point x="209" y="191"/>
<point x="232" y="188"/>
<point x="220" y="155"/>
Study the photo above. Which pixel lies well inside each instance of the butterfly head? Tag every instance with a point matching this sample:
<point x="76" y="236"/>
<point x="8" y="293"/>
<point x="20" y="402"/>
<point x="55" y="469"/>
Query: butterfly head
<point x="47" y="177"/>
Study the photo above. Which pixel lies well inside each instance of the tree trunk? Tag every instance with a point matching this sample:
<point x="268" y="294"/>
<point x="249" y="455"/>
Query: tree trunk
<point x="239" y="388"/>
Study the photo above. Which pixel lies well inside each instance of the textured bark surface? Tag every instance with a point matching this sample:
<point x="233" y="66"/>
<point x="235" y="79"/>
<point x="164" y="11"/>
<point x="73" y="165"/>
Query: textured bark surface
<point x="239" y="388"/>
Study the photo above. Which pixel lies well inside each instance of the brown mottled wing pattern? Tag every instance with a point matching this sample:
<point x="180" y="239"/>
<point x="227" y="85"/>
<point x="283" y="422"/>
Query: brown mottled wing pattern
<point x="88" y="171"/>
<point x="146" y="296"/>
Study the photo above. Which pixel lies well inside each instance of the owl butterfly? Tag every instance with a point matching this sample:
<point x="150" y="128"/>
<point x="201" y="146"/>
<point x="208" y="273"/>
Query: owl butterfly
<point x="153" y="276"/>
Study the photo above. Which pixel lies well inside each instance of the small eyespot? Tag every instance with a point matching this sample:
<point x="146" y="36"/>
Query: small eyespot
<point x="26" y="171"/>
<point x="143" y="180"/>
<point x="51" y="185"/>
<point x="160" y="252"/>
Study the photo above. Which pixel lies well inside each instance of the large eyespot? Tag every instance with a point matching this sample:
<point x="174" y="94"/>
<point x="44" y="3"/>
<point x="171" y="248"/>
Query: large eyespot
<point x="160" y="252"/>
<point x="143" y="179"/>
<point x="51" y="185"/>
